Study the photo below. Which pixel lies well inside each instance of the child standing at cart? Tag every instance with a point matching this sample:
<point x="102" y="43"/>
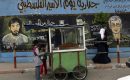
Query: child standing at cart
<point x="43" y="67"/>
<point x="37" y="59"/>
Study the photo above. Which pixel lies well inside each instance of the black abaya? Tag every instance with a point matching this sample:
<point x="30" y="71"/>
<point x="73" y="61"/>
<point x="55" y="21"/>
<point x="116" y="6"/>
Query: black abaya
<point x="102" y="51"/>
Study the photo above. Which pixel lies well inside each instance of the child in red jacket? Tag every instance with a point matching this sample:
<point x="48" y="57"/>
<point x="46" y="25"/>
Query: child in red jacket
<point x="43" y="67"/>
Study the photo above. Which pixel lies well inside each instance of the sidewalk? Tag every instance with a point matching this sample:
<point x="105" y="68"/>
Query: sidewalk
<point x="25" y="67"/>
<point x="21" y="67"/>
<point x="112" y="65"/>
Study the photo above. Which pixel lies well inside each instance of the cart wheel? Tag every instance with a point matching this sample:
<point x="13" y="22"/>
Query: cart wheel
<point x="60" y="74"/>
<point x="79" y="72"/>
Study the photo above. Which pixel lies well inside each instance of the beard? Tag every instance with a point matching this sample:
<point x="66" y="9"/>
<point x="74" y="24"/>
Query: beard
<point x="15" y="33"/>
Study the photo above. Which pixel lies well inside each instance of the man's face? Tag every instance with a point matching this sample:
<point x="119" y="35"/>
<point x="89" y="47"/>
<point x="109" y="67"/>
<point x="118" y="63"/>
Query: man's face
<point x="115" y="26"/>
<point x="15" y="28"/>
<point x="79" y="21"/>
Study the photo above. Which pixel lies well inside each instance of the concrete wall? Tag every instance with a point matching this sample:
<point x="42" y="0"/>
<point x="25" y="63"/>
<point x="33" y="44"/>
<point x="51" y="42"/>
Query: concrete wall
<point x="124" y="52"/>
<point x="8" y="57"/>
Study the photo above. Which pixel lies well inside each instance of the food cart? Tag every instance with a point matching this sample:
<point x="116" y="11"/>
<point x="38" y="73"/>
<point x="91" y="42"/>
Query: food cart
<point x="66" y="45"/>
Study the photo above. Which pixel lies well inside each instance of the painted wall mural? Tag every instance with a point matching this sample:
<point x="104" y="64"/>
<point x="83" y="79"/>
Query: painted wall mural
<point x="14" y="33"/>
<point x="13" y="30"/>
<point x="46" y="11"/>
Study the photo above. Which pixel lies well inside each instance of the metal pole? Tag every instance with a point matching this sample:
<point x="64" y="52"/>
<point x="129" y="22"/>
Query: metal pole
<point x="118" y="52"/>
<point x="78" y="58"/>
<point x="59" y="59"/>
<point x="50" y="47"/>
<point x="15" y="65"/>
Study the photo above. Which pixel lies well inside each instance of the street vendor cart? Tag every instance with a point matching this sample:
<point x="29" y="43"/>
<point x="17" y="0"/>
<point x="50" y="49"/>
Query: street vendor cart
<point x="66" y="44"/>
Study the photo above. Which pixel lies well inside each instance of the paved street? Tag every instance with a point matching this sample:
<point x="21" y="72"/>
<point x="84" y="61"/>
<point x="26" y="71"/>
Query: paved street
<point x="93" y="74"/>
<point x="107" y="74"/>
<point x="99" y="72"/>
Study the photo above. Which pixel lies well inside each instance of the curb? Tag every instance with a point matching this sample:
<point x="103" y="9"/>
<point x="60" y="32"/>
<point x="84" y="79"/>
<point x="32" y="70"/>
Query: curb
<point x="11" y="71"/>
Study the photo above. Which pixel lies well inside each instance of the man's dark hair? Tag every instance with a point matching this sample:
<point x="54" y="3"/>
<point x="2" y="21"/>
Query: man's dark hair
<point x="81" y="17"/>
<point x="35" y="42"/>
<point x="42" y="43"/>
<point x="15" y="19"/>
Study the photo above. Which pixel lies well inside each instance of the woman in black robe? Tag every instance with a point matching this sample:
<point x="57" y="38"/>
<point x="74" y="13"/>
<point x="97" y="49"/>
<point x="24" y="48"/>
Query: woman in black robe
<point x="102" y="48"/>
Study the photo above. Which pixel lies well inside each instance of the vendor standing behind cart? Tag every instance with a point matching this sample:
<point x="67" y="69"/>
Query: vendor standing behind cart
<point x="57" y="38"/>
<point x="37" y="59"/>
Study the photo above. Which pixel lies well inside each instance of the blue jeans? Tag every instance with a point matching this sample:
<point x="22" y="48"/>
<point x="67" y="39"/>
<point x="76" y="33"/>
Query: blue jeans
<point x="37" y="72"/>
